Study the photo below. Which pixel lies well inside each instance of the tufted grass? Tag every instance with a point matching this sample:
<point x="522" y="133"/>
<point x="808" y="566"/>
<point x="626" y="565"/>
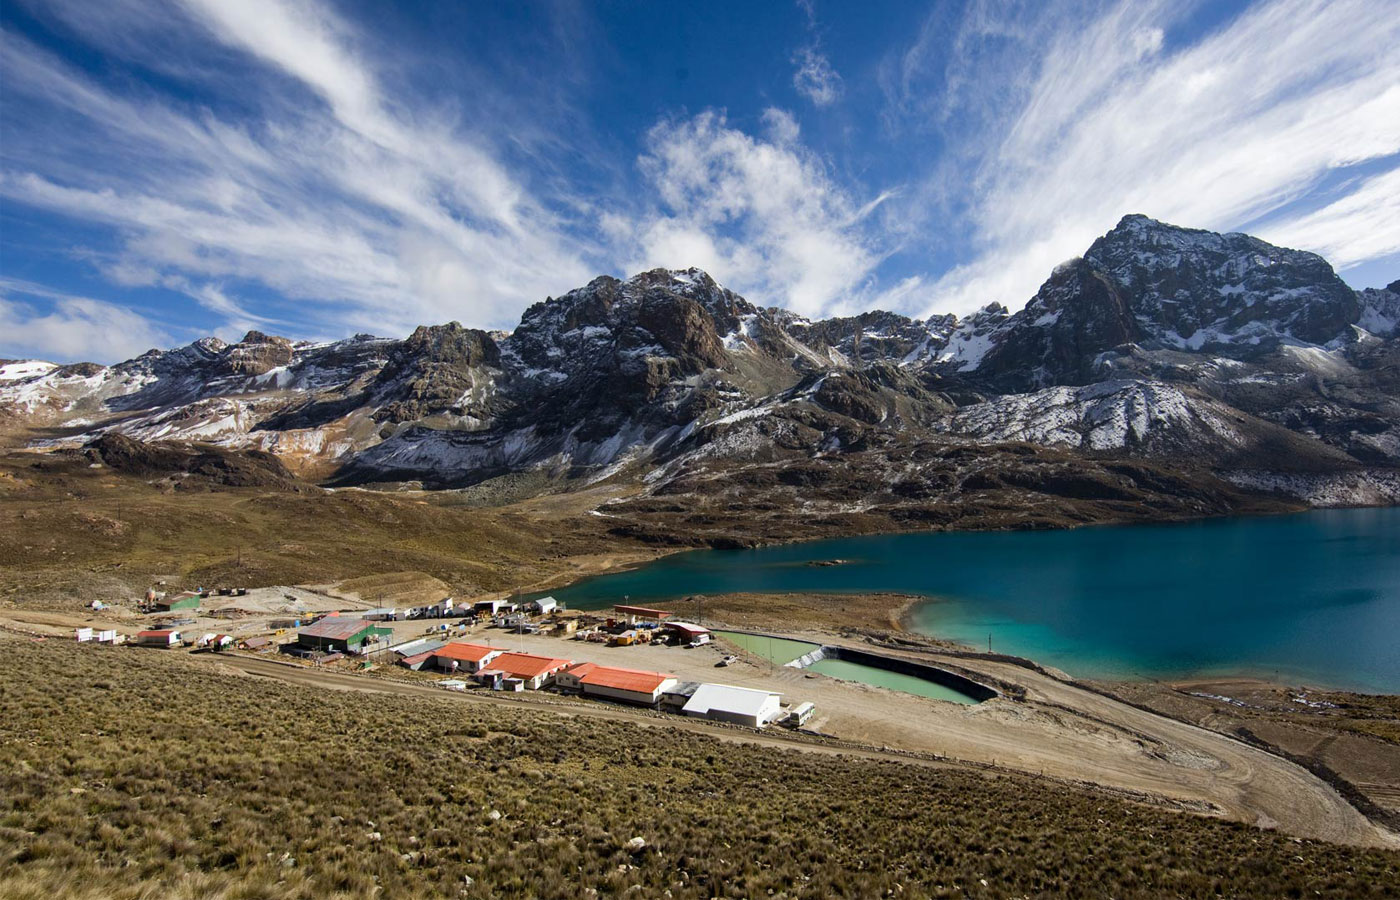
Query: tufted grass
<point x="138" y="774"/>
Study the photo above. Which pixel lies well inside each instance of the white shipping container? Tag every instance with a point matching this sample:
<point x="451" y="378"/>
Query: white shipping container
<point x="84" y="635"/>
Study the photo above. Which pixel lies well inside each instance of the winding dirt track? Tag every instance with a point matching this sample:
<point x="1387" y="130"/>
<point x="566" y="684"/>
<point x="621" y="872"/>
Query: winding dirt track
<point x="1064" y="732"/>
<point x="1184" y="760"/>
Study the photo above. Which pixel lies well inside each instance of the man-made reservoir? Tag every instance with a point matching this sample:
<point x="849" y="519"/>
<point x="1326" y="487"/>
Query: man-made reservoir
<point x="1313" y="597"/>
<point x="780" y="652"/>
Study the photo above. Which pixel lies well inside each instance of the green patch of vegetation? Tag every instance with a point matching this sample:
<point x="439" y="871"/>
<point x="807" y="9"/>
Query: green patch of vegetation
<point x="132" y="774"/>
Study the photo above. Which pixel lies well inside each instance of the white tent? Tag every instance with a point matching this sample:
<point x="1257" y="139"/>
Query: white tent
<point x="726" y="703"/>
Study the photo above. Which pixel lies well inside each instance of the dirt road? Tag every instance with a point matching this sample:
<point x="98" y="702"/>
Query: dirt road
<point x="1063" y="732"/>
<point x="344" y="681"/>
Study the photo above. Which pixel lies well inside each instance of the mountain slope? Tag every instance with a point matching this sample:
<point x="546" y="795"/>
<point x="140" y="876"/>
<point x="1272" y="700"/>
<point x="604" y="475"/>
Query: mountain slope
<point x="1216" y="354"/>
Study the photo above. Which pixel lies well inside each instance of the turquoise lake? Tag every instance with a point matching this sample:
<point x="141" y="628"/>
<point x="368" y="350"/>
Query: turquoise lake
<point x="1312" y="598"/>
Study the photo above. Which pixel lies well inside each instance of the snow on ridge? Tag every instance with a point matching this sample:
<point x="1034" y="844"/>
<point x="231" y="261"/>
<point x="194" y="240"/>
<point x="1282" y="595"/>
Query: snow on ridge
<point x="1110" y="415"/>
<point x="25" y="368"/>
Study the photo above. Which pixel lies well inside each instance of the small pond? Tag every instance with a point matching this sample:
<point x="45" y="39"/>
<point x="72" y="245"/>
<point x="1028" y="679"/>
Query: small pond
<point x="781" y="651"/>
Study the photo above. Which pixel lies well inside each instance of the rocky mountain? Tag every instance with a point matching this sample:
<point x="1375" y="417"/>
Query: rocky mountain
<point x="1224" y="362"/>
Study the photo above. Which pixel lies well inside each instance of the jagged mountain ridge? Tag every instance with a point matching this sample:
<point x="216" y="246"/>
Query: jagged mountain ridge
<point x="1161" y="342"/>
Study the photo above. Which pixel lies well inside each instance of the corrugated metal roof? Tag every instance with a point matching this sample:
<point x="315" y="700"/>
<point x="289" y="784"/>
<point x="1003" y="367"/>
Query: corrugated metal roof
<point x="336" y="628"/>
<point x="728" y="698"/>
<point x="465" y="652"/>
<point x="687" y="627"/>
<point x="527" y="665"/>
<point x="643" y="611"/>
<point x="581" y="669"/>
<point x="160" y="632"/>
<point x="413" y="648"/>
<point x="626" y="679"/>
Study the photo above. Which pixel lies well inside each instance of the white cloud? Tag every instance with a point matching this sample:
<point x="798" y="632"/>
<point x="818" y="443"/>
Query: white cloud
<point x="1105" y="119"/>
<point x="815" y="79"/>
<point x="381" y="213"/>
<point x="67" y="328"/>
<point x="1363" y="225"/>
<point x="763" y="216"/>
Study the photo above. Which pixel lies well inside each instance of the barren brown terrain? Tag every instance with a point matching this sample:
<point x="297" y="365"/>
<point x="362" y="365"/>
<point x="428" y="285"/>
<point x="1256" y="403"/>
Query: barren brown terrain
<point x="74" y="532"/>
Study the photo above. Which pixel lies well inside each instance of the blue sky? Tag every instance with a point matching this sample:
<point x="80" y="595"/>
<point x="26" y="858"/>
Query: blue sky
<point x="317" y="168"/>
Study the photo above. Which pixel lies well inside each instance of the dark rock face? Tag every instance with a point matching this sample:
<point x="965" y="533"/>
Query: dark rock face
<point x="256" y="354"/>
<point x="1161" y="344"/>
<point x="206" y="467"/>
<point x="80" y="370"/>
<point x="876" y="336"/>
<point x="1199" y="290"/>
<point x="1077" y="314"/>
<point x="437" y="369"/>
<point x="1150" y="288"/>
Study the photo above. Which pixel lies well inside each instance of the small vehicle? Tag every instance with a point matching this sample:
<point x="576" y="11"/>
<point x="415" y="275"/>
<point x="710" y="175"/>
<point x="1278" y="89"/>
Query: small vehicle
<point x="726" y="661"/>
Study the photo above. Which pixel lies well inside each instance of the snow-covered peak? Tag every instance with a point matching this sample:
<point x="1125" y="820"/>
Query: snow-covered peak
<point x="1195" y="289"/>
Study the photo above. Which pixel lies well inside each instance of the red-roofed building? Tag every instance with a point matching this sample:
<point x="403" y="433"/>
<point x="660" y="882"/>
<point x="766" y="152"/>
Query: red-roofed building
<point x="690" y="633"/>
<point x="463" y="657"/>
<point x="159" y="637"/>
<point x="534" y="671"/>
<point x="627" y="685"/>
<point x="568" y="679"/>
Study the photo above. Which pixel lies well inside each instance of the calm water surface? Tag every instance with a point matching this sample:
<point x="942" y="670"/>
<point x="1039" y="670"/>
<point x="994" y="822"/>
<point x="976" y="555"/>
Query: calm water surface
<point x="1312" y="597"/>
<point x="781" y="651"/>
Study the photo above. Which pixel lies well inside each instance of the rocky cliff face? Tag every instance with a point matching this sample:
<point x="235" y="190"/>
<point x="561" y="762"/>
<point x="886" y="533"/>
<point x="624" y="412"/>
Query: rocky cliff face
<point x="1216" y="353"/>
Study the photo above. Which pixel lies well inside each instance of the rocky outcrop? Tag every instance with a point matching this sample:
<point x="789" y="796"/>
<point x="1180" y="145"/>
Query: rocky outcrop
<point x="439" y="368"/>
<point x="1161" y="344"/>
<point x="1077" y="315"/>
<point x="191" y="467"/>
<point x="256" y="354"/>
<point x="1198" y="290"/>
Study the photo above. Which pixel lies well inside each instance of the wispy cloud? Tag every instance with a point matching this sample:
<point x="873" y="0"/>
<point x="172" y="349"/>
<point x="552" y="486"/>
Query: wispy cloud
<point x="68" y="328"/>
<point x="814" y="76"/>
<point x="1105" y="117"/>
<point x="378" y="213"/>
<point x="1362" y="225"/>
<point x="815" y="79"/>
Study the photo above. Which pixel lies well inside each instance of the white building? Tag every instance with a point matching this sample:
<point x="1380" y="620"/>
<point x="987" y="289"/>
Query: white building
<point x="726" y="703"/>
<point x="545" y="605"/>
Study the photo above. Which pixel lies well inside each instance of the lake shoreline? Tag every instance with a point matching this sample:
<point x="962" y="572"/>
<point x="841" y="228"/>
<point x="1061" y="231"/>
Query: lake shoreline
<point x="1063" y="576"/>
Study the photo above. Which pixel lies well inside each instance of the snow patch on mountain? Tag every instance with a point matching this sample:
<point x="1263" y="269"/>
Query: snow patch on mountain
<point x="25" y="368"/>
<point x="1112" y="415"/>
<point x="1365" y="487"/>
